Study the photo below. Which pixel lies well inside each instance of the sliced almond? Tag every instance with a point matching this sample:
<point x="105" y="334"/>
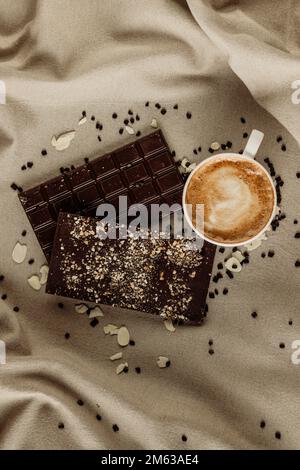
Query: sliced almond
<point x="116" y="356"/>
<point x="130" y="130"/>
<point x="233" y="265"/>
<point x="19" y="253"/>
<point x="169" y="325"/>
<point x="215" y="145"/>
<point x="44" y="270"/>
<point x="121" y="367"/>
<point x="62" y="141"/>
<point x="154" y="123"/>
<point x="163" y="362"/>
<point x="238" y="255"/>
<point x="110" y="329"/>
<point x="81" y="308"/>
<point x="96" y="312"/>
<point x="123" y="336"/>
<point x="34" y="282"/>
<point x="82" y="121"/>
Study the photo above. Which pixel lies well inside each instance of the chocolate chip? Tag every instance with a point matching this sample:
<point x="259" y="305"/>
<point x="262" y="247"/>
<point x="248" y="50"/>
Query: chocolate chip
<point x="84" y="113"/>
<point x="31" y="261"/>
<point x="262" y="424"/>
<point x="245" y="135"/>
<point x="211" y="295"/>
<point x="29" y="164"/>
<point x="297" y="263"/>
<point x="80" y="402"/>
<point x="14" y="186"/>
<point x="295" y="221"/>
<point x="121" y="130"/>
<point x="126" y="122"/>
<point x="223" y="146"/>
<point x="94" y="322"/>
<point x="137" y="118"/>
<point x="278" y="435"/>
<point x="131" y="342"/>
<point x="210" y="150"/>
<point x="183" y="438"/>
<point x="60" y="305"/>
<point x="263" y="255"/>
<point x="138" y="370"/>
<point x="16" y="309"/>
<point x="297" y="235"/>
<point x="132" y="120"/>
<point x="98" y="417"/>
<point x="271" y="253"/>
<point x="99" y="138"/>
<point x="23" y="167"/>
<point x="1" y="277"/>
<point x="298" y="174"/>
<point x="210" y="342"/>
<point x="241" y="152"/>
<point x="4" y="297"/>
<point x="168" y="363"/>
<point x="199" y="149"/>
<point x="281" y="345"/>
<point x="61" y="425"/>
<point x="229" y="273"/>
<point x="290" y="322"/>
<point x="138" y="133"/>
<point x="222" y="249"/>
<point x="125" y="370"/>
<point x="225" y="291"/>
<point x="254" y="315"/>
<point x="283" y="148"/>
<point x="220" y="266"/>
<point x="92" y="118"/>
<point x="115" y="428"/>
<point x="175" y="106"/>
<point x="163" y="111"/>
<point x="147" y="104"/>
<point x="211" y="351"/>
<point x="67" y="335"/>
<point x="243" y="120"/>
<point x="279" y="138"/>
<point x="188" y="115"/>
<point x="157" y="105"/>
<point x="114" y="116"/>
<point x="44" y="152"/>
<point x="130" y="112"/>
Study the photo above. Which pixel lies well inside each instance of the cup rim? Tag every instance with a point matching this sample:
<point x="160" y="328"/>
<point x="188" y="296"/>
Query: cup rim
<point x="225" y="156"/>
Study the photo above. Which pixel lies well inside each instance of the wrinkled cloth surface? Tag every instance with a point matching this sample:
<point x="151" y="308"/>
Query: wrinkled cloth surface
<point x="220" y="61"/>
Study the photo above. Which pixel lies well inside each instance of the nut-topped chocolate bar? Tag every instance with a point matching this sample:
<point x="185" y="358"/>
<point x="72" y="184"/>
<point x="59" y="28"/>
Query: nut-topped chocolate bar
<point x="165" y="277"/>
<point x="144" y="171"/>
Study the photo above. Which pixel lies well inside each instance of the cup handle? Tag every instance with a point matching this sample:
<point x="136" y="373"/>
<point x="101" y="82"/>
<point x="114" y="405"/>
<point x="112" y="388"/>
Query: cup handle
<point x="253" y="144"/>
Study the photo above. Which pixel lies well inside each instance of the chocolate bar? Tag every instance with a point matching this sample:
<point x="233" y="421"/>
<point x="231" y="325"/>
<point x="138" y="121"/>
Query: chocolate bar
<point x="166" y="277"/>
<point x="144" y="171"/>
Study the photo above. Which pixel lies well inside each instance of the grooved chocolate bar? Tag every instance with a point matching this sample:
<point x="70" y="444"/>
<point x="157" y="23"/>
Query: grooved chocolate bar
<point x="165" y="277"/>
<point x="144" y="171"/>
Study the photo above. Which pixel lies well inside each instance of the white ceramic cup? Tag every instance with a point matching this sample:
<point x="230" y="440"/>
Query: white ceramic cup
<point x="249" y="153"/>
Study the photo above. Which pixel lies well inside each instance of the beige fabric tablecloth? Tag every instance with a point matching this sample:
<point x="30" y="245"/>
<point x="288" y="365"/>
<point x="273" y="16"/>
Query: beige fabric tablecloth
<point x="221" y="61"/>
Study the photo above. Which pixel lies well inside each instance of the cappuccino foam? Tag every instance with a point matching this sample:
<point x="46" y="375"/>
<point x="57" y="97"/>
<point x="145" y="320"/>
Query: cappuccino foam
<point x="237" y="195"/>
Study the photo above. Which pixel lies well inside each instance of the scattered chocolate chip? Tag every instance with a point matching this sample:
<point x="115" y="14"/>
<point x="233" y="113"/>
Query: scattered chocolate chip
<point x="262" y="424"/>
<point x="271" y="253"/>
<point x="98" y="417"/>
<point x="126" y="122"/>
<point x="199" y="149"/>
<point x="157" y="105"/>
<point x="131" y="342"/>
<point x="297" y="235"/>
<point x="99" y="138"/>
<point x="290" y="322"/>
<point x="16" y="309"/>
<point x="283" y="148"/>
<point x="225" y="291"/>
<point x="210" y="342"/>
<point x="220" y="266"/>
<point x="29" y="164"/>
<point x="60" y="305"/>
<point x="210" y="150"/>
<point x="92" y="118"/>
<point x="44" y="152"/>
<point x="229" y="273"/>
<point x="263" y="255"/>
<point x="115" y="428"/>
<point x="114" y="116"/>
<point x="132" y="120"/>
<point x="1" y="277"/>
<point x="24" y="233"/>
<point x="229" y="144"/>
<point x="183" y="438"/>
<point x="80" y="402"/>
<point x="211" y="295"/>
<point x="137" y="118"/>
<point x="243" y="120"/>
<point x="61" y="425"/>
<point x="279" y="138"/>
<point x="121" y="130"/>
<point x="138" y="133"/>
<point x="31" y="261"/>
<point x="241" y="152"/>
<point x="67" y="335"/>
<point x="211" y="351"/>
<point x="298" y="174"/>
<point x="168" y="363"/>
<point x="163" y="111"/>
<point x="281" y="345"/>
<point x="295" y="221"/>
<point x="254" y="315"/>
<point x="278" y="435"/>
<point x="86" y="159"/>
<point x="188" y="115"/>
<point x="130" y="112"/>
<point x="4" y="297"/>
<point x="126" y="369"/>
<point x="297" y="263"/>
<point x="23" y="167"/>
<point x="223" y="146"/>
<point x="195" y="151"/>
<point x="94" y="322"/>
<point x="245" y="135"/>
<point x="222" y="249"/>
<point x="83" y="113"/>
<point x="147" y="104"/>
<point x="14" y="186"/>
<point x="138" y="370"/>
<point x="175" y="106"/>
